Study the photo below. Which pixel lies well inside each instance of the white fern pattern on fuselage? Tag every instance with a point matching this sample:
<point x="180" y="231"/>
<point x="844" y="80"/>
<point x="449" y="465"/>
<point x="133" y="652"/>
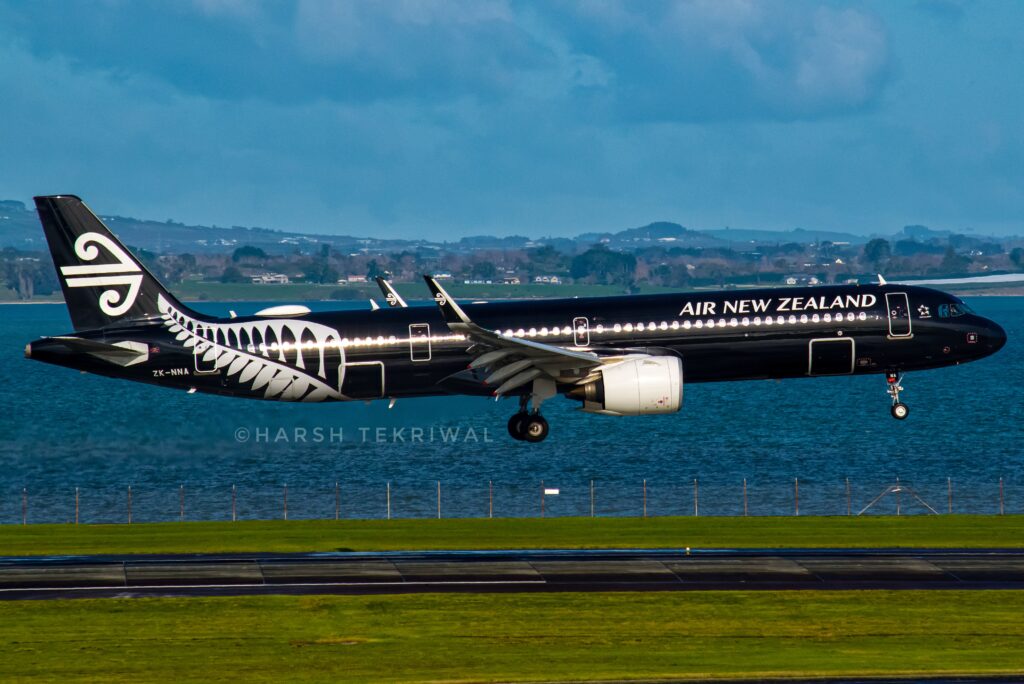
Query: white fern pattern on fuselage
<point x="290" y="360"/>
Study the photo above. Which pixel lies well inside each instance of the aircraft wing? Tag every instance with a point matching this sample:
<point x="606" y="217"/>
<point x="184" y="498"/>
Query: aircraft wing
<point x="391" y="295"/>
<point x="511" y="362"/>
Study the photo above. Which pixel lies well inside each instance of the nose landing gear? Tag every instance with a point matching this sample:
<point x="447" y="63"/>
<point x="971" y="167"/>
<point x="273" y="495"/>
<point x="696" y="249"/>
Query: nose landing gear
<point x="899" y="410"/>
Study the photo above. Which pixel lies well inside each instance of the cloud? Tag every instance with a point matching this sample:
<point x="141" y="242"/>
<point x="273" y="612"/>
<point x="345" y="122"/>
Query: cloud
<point x="704" y="60"/>
<point x="410" y="116"/>
<point x="694" y="60"/>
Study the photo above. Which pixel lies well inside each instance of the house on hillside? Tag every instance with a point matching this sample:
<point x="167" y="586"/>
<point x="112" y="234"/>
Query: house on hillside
<point x="270" y="279"/>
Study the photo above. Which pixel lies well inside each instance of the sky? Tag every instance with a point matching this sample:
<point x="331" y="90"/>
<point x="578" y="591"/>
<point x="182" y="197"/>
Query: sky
<point x="413" y="118"/>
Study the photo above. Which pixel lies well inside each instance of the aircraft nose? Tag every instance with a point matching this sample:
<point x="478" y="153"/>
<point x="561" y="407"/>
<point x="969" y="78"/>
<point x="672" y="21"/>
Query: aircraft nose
<point x="995" y="336"/>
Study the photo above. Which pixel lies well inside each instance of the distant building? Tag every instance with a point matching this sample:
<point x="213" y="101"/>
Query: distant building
<point x="547" y="280"/>
<point x="802" y="280"/>
<point x="510" y="280"/>
<point x="270" y="279"/>
<point x="442" y="276"/>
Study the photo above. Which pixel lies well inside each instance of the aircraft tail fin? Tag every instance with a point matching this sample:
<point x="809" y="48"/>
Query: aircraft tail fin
<point x="102" y="281"/>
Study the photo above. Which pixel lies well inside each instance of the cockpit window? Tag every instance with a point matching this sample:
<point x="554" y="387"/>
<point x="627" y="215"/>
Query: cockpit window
<point x="954" y="309"/>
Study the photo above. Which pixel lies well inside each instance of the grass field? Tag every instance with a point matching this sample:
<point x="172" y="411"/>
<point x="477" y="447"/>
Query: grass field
<point x="487" y="637"/>
<point x="947" y="531"/>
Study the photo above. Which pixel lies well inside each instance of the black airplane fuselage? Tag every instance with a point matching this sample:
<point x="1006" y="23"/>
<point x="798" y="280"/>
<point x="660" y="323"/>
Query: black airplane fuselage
<point x="410" y="352"/>
<point x="629" y="355"/>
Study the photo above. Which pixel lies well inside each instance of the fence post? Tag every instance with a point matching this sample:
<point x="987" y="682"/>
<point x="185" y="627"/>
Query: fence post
<point x="796" y="496"/>
<point x="234" y="515"/>
<point x="645" y="497"/>
<point x="181" y="502"/>
<point x="1002" y="510"/>
<point x="542" y="498"/>
<point x="24" y="505"/>
<point x="744" y="497"/>
<point x="337" y="501"/>
<point x="286" y="502"/>
<point x="899" y="496"/>
<point x="591" y="498"/>
<point x="129" y="504"/>
<point x="438" y="499"/>
<point x="849" y="510"/>
<point x="76" y="505"/>
<point x="696" y="499"/>
<point x="389" y="500"/>
<point x="949" y="493"/>
<point x="490" y="498"/>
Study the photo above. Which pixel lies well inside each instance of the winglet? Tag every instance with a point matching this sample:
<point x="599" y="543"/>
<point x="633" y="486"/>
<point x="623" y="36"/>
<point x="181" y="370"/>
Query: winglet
<point x="374" y="305"/>
<point x="451" y="311"/>
<point x="391" y="295"/>
<point x="881" y="280"/>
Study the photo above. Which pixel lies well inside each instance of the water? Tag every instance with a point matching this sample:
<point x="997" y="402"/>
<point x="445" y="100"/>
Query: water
<point x="60" y="429"/>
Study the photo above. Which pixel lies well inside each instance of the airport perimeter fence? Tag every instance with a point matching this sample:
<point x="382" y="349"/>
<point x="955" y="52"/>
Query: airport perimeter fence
<point x="149" y="502"/>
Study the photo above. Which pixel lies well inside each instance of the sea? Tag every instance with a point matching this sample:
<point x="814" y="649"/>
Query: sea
<point x="78" y="447"/>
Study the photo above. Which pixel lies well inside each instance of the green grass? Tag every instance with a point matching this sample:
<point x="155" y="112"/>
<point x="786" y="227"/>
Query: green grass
<point x="484" y="637"/>
<point x="523" y="533"/>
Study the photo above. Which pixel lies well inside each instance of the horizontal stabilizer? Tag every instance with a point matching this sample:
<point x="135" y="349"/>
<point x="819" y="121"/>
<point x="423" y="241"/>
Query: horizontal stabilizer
<point x="120" y="353"/>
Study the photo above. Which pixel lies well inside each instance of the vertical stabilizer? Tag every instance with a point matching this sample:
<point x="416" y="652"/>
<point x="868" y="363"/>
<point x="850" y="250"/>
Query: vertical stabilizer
<point x="103" y="282"/>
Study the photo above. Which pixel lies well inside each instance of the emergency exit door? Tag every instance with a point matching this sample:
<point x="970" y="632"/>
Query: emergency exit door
<point x="899" y="314"/>
<point x="204" y="352"/>
<point x="419" y="342"/>
<point x="581" y="331"/>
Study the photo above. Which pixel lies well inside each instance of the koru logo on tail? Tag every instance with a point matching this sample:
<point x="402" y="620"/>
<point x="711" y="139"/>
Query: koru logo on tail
<point x="125" y="273"/>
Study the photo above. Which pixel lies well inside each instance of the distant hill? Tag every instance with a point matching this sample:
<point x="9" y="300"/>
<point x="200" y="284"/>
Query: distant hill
<point x="799" y="235"/>
<point x="19" y="228"/>
<point x="663" y="232"/>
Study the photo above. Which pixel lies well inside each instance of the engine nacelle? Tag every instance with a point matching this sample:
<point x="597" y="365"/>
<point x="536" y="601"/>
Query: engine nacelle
<point x="651" y="384"/>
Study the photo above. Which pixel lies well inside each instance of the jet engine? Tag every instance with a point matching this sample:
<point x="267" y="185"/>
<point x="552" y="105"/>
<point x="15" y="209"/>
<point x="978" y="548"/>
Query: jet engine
<point x="650" y="384"/>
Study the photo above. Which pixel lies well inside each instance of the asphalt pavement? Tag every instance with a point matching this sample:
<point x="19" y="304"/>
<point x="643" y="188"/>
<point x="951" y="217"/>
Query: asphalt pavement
<point x="507" y="571"/>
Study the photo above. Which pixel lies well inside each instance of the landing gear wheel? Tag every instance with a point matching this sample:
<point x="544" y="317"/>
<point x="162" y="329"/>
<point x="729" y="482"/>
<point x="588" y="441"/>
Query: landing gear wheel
<point x="899" y="410"/>
<point x="516" y="423"/>
<point x="535" y="428"/>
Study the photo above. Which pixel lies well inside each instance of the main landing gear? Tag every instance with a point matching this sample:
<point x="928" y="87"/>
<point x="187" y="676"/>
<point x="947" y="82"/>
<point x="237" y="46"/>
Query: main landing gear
<point x="528" y="425"/>
<point x="899" y="410"/>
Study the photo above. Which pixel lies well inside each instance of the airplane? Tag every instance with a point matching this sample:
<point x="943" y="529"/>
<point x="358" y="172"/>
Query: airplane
<point x="616" y="356"/>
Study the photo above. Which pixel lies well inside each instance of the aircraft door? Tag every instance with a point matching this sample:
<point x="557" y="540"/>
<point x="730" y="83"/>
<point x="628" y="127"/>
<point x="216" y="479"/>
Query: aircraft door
<point x="581" y="331"/>
<point x="419" y="342"/>
<point x="363" y="380"/>
<point x="831" y="356"/>
<point x="204" y="365"/>
<point x="899" y="314"/>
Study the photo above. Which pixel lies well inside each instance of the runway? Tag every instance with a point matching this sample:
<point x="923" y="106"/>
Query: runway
<point x="507" y="571"/>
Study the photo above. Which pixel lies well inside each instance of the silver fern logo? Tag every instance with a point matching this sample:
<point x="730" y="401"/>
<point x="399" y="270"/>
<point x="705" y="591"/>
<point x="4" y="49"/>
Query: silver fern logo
<point x="283" y="359"/>
<point x="124" y="273"/>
